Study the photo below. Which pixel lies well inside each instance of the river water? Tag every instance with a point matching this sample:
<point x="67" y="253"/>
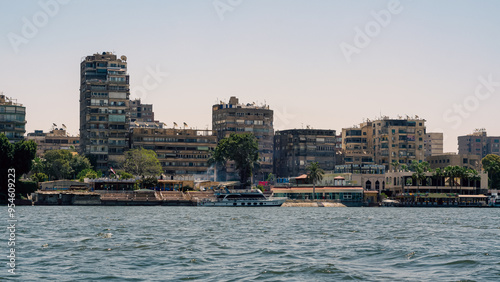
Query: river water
<point x="71" y="243"/>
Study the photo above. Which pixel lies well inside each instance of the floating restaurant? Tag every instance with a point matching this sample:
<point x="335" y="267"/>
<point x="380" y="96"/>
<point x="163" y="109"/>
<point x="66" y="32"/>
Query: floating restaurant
<point x="300" y="189"/>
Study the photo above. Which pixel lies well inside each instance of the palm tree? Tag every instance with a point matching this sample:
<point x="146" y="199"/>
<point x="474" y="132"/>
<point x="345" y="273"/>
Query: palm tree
<point x="474" y="176"/>
<point x="419" y="174"/>
<point x="315" y="173"/>
<point x="438" y="174"/>
<point x="448" y="172"/>
<point x="462" y="173"/>
<point x="425" y="166"/>
<point x="395" y="165"/>
<point x="404" y="167"/>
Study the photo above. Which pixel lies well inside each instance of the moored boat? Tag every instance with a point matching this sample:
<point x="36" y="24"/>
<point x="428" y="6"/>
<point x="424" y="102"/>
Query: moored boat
<point x="241" y="198"/>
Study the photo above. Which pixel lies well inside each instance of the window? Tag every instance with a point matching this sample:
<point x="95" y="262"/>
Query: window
<point x="117" y="118"/>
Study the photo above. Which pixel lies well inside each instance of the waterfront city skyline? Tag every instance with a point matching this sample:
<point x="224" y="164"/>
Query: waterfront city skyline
<point x="318" y="63"/>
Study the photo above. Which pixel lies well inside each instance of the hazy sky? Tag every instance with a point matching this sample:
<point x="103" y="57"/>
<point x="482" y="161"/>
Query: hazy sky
<point x="328" y="64"/>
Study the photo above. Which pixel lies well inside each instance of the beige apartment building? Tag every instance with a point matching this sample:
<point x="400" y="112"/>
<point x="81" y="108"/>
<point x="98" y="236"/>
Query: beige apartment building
<point x="236" y="117"/>
<point x="433" y="143"/>
<point x="183" y="153"/>
<point x="400" y="140"/>
<point x="479" y="143"/>
<point x="56" y="139"/>
<point x="357" y="144"/>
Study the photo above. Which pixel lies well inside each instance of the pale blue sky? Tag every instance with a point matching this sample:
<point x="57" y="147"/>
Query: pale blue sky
<point x="423" y="62"/>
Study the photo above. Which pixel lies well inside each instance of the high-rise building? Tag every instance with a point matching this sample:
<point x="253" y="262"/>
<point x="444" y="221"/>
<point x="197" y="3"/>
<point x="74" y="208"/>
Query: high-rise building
<point x="56" y="139"/>
<point x="295" y="149"/>
<point x="12" y="119"/>
<point x="104" y="108"/>
<point x="141" y="112"/>
<point x="479" y="143"/>
<point x="234" y="117"/>
<point x="433" y="143"/>
<point x="183" y="153"/>
<point x="400" y="140"/>
<point x="357" y="144"/>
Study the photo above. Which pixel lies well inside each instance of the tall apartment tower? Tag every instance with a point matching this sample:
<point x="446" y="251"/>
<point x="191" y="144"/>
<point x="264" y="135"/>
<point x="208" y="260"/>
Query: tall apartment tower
<point x="12" y="119"/>
<point x="234" y="117"/>
<point x="104" y="108"/>
<point x="295" y="149"/>
<point x="400" y="140"/>
<point x="357" y="144"/>
<point x="479" y="143"/>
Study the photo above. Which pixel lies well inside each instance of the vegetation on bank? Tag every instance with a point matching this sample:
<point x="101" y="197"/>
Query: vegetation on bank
<point x="314" y="175"/>
<point x="491" y="164"/>
<point x="243" y="149"/>
<point x="16" y="156"/>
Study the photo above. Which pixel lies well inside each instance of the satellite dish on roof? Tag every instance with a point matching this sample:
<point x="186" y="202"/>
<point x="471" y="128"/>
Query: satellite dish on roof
<point x="124" y="58"/>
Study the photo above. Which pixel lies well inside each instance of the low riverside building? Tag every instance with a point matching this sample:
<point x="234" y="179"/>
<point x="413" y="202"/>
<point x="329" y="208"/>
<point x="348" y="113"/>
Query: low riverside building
<point x="347" y="195"/>
<point x="56" y="139"/>
<point x="111" y="184"/>
<point x="402" y="182"/>
<point x="338" y="190"/>
<point x="77" y="198"/>
<point x="370" y="177"/>
<point x="62" y="185"/>
<point x="183" y="153"/>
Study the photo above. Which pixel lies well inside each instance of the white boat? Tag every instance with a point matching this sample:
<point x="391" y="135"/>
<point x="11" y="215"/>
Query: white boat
<point x="494" y="200"/>
<point x="241" y="198"/>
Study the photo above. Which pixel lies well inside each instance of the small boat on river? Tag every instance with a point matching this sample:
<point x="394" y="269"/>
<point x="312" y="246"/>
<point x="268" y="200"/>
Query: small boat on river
<point x="241" y="198"/>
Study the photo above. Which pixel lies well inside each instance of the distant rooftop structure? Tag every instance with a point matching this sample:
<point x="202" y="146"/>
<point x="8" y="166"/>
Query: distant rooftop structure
<point x="234" y="103"/>
<point x="7" y="101"/>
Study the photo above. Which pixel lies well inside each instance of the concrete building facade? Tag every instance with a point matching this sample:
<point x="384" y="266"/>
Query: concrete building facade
<point x="235" y="117"/>
<point x="12" y="119"/>
<point x="400" y="140"/>
<point x="452" y="159"/>
<point x="295" y="149"/>
<point x="479" y="143"/>
<point x="104" y="108"/>
<point x="141" y="112"/>
<point x="357" y="144"/>
<point x="433" y="143"/>
<point x="182" y="153"/>
<point x="56" y="139"/>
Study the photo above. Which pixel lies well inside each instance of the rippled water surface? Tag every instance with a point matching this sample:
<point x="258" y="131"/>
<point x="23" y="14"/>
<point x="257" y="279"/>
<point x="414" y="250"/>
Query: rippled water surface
<point x="273" y="244"/>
